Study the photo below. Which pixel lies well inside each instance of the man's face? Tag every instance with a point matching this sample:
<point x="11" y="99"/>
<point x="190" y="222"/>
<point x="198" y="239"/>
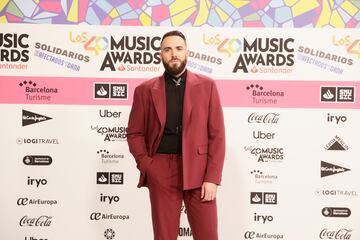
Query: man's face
<point x="174" y="54"/>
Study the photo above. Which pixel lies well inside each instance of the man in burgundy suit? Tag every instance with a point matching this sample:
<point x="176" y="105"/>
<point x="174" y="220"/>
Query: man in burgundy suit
<point x="176" y="135"/>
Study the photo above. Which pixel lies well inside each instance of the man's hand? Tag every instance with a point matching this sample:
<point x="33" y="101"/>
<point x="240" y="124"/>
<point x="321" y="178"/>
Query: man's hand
<point x="208" y="191"/>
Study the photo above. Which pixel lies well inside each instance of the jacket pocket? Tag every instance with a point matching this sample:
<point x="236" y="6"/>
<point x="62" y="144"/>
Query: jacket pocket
<point x="203" y="149"/>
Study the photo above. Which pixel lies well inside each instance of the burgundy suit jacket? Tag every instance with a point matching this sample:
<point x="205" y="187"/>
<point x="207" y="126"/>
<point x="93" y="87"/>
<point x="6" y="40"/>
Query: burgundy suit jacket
<point x="203" y="134"/>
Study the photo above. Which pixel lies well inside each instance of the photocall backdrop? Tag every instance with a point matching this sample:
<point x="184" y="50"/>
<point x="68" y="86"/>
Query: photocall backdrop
<point x="289" y="98"/>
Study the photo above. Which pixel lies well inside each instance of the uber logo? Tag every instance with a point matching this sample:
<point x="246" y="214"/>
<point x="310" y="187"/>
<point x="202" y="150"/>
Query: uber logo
<point x="261" y="135"/>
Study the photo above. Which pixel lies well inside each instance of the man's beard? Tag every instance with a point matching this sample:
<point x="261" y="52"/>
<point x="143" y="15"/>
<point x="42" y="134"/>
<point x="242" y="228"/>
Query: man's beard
<point x="175" y="70"/>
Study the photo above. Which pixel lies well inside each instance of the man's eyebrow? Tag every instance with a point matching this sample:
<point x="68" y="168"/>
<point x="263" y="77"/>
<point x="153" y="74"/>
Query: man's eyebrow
<point x="179" y="46"/>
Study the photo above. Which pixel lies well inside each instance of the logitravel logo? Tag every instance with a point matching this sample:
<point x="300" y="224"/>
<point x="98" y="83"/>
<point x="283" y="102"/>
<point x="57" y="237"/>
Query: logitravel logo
<point x="109" y="114"/>
<point x="342" y="233"/>
<point x="268" y="118"/>
<point x="131" y="52"/>
<point x="14" y="51"/>
<point x="96" y="216"/>
<point x="336" y="192"/>
<point x="20" y="140"/>
<point x="263" y="218"/>
<point x="266" y="55"/>
<point x="35" y="93"/>
<point x="185" y="232"/>
<point x="258" y="235"/>
<point x="40" y="160"/>
<point x="337" y="94"/>
<point x="109" y="233"/>
<point x="262" y="96"/>
<point x="266" y="154"/>
<point x="109" y="178"/>
<point x="263" y="198"/>
<point x="29" y="118"/>
<point x="262" y="178"/>
<point x="336" y="212"/>
<point x="111" y="133"/>
<point x="23" y="201"/>
<point x="35" y="238"/>
<point x="116" y="91"/>
<point x="337" y="144"/>
<point x="42" y="221"/>
<point x="107" y="157"/>
<point x="328" y="169"/>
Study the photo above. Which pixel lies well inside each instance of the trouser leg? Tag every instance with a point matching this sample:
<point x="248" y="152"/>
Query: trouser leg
<point x="163" y="178"/>
<point x="202" y="216"/>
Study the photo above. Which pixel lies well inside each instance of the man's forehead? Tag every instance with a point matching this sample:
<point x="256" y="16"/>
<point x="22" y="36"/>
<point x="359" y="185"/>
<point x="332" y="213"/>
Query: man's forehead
<point x="173" y="41"/>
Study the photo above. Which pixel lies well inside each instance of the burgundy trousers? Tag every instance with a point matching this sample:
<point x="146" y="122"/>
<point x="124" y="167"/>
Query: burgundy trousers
<point x="164" y="178"/>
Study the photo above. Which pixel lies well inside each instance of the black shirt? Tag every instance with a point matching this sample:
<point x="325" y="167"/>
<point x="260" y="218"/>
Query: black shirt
<point x="171" y="140"/>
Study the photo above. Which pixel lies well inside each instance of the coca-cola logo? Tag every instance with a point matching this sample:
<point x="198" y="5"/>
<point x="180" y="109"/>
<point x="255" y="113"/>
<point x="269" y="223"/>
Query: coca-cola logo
<point x="269" y="118"/>
<point x="42" y="221"/>
<point x="342" y="233"/>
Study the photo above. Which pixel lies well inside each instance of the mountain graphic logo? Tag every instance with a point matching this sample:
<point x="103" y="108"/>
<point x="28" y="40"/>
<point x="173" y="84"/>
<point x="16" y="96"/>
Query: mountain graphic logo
<point x="328" y="169"/>
<point x="337" y="144"/>
<point x="29" y="118"/>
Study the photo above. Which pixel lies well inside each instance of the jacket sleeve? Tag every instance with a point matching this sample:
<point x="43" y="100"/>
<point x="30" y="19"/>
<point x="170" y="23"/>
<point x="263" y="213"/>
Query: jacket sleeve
<point x="216" y="139"/>
<point x="136" y="132"/>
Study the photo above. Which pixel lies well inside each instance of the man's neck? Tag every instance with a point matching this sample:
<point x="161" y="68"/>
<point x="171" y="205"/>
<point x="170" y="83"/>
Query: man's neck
<point x="178" y="75"/>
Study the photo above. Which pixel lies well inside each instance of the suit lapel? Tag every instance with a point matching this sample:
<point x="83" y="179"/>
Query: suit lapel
<point x="159" y="99"/>
<point x="191" y="82"/>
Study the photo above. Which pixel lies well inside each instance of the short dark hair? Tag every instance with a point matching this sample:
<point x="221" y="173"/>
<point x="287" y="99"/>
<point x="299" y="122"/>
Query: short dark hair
<point x="173" y="33"/>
